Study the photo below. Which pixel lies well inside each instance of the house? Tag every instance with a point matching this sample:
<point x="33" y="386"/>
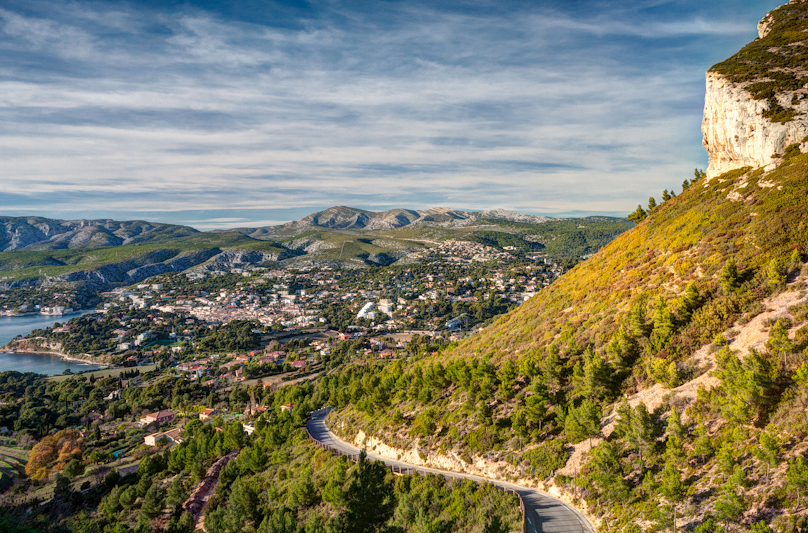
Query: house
<point x="287" y="407"/>
<point x="173" y="437"/>
<point x="387" y="307"/>
<point x="114" y="395"/>
<point x="209" y="413"/>
<point x="299" y="364"/>
<point x="197" y="371"/>
<point x="249" y="429"/>
<point x="160" y="417"/>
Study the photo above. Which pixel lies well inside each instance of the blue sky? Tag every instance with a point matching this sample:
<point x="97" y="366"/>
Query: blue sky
<point x="261" y="112"/>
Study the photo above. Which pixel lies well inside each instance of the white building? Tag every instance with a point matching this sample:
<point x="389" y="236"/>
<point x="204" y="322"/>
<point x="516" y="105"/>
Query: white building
<point x="387" y="307"/>
<point x="367" y="311"/>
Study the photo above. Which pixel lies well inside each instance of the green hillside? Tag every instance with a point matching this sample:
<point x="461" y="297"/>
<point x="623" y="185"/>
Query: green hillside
<point x="27" y="264"/>
<point x="656" y="316"/>
<point x="753" y="219"/>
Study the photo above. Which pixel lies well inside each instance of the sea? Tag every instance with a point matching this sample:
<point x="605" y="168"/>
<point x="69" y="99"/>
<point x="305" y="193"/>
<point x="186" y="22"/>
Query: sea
<point x="51" y="365"/>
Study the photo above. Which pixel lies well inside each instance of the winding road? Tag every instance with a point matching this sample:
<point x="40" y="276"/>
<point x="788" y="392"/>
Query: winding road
<point x="543" y="513"/>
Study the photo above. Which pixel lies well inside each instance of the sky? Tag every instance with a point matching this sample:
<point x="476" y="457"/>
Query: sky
<point x="226" y="114"/>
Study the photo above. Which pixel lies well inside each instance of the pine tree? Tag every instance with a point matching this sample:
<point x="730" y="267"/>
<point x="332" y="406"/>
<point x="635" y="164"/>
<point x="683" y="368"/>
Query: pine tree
<point x="592" y="379"/>
<point x="244" y="502"/>
<point x="333" y="491"/>
<point x="507" y="380"/>
<point x="369" y="500"/>
<point x="776" y="272"/>
<point x="779" y="345"/>
<point x="638" y="215"/>
<point x="637" y="320"/>
<point x="623" y="426"/>
<point x="730" y="278"/>
<point x="608" y="473"/>
<point x="665" y="195"/>
<point x="703" y="445"/>
<point x="143" y="485"/>
<point x="664" y="326"/>
<point x="536" y="405"/>
<point x="651" y="204"/>
<point x="768" y="451"/>
<point x="176" y="495"/>
<point x="622" y="350"/>
<point x="671" y="483"/>
<point x="675" y="428"/>
<point x="582" y="422"/>
<point x="642" y="434"/>
<point x="152" y="503"/>
<point x="731" y="505"/>
<point x="797" y="476"/>
<point x="553" y="372"/>
<point x="519" y="425"/>
<point x="688" y="303"/>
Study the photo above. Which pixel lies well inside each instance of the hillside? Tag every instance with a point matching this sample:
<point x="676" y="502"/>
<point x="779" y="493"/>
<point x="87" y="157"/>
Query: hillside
<point x="37" y="233"/>
<point x="698" y="318"/>
<point x="749" y="217"/>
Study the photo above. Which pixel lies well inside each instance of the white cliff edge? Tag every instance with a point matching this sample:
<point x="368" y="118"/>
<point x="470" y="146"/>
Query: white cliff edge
<point x="737" y="135"/>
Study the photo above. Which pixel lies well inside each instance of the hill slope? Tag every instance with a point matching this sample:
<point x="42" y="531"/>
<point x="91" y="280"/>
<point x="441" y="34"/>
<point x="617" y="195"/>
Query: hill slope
<point x="749" y="217"/>
<point x="698" y="317"/>
<point x="37" y="233"/>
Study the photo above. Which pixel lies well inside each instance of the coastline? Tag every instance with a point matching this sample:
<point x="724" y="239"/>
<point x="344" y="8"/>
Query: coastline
<point x="75" y="313"/>
<point x="60" y="355"/>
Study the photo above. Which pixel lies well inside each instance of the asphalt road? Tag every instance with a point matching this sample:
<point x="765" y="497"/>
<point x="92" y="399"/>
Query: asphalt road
<point x="543" y="513"/>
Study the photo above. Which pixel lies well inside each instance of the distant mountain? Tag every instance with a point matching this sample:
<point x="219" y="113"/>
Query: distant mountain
<point x="37" y="233"/>
<point x="350" y="218"/>
<point x="100" y="254"/>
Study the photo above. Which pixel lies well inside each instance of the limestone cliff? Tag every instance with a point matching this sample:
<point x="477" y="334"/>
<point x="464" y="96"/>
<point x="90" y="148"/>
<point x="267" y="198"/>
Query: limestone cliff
<point x="756" y="102"/>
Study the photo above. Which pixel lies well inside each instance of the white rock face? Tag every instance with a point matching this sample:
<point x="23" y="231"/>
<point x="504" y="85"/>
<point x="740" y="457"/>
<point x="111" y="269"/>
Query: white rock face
<point x="735" y="132"/>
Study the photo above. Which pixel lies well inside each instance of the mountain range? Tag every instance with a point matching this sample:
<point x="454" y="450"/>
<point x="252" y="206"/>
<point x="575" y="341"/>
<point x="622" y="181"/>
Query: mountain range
<point x="38" y="233"/>
<point x="99" y="254"/>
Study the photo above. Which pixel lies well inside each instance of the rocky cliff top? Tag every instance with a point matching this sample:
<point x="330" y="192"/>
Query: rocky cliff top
<point x="776" y="64"/>
<point x="756" y="104"/>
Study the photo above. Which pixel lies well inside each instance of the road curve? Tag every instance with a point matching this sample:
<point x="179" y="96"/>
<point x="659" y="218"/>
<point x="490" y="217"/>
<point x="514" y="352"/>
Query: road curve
<point x="543" y="513"/>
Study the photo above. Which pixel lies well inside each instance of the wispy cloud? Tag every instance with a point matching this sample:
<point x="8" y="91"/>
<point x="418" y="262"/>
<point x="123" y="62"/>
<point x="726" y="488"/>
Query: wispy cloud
<point x="142" y="110"/>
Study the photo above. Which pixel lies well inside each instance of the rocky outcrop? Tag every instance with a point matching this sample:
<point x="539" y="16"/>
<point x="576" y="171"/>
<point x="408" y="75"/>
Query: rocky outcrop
<point x="756" y="103"/>
<point x="737" y="134"/>
<point x="238" y="258"/>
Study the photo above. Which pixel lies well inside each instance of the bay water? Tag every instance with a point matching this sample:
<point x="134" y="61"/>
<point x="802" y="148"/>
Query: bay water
<point x="51" y="365"/>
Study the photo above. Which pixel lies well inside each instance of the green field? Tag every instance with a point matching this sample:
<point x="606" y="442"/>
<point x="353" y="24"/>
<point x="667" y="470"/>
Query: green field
<point x="12" y="461"/>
